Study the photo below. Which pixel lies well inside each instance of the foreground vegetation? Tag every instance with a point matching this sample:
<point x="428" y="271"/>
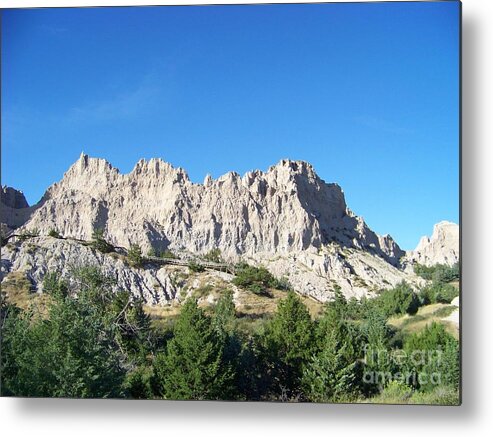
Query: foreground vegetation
<point x="83" y="340"/>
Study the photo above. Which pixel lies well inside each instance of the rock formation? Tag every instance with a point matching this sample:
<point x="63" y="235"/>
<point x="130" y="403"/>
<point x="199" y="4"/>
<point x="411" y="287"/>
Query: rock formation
<point x="287" y="209"/>
<point x="14" y="209"/>
<point x="441" y="248"/>
<point x="287" y="219"/>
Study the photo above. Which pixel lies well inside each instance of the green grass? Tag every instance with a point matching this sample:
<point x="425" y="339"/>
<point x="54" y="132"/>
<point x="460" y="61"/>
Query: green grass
<point x="396" y="393"/>
<point x="425" y="316"/>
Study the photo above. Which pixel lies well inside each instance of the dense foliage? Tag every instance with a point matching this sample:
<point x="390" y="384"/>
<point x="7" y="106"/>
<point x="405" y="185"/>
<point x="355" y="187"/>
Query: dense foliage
<point x="438" y="273"/>
<point x="257" y="279"/>
<point x="89" y="341"/>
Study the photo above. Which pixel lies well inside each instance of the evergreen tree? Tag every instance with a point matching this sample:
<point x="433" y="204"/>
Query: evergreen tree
<point x="99" y="243"/>
<point x="72" y="353"/>
<point x="134" y="256"/>
<point x="193" y="366"/>
<point x="334" y="372"/>
<point x="287" y="345"/>
<point x="433" y="356"/>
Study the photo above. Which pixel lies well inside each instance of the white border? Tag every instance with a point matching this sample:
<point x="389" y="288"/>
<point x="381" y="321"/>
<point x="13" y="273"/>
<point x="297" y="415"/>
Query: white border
<point x="147" y="418"/>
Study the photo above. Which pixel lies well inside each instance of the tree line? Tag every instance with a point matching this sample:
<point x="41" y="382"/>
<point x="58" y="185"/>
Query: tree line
<point x="87" y="341"/>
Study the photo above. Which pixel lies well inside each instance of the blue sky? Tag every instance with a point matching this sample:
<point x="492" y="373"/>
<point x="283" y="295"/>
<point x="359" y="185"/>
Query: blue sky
<point x="368" y="93"/>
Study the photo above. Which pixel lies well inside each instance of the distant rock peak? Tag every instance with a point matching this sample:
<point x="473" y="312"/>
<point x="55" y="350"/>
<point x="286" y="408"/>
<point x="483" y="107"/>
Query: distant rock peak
<point x="13" y="198"/>
<point x="441" y="248"/>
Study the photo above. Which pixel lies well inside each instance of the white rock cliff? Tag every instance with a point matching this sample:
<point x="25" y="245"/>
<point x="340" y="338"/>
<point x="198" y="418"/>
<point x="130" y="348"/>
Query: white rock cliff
<point x="441" y="248"/>
<point x="287" y="219"/>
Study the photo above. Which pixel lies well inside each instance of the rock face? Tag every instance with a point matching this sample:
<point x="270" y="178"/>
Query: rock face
<point x="45" y="254"/>
<point x="287" y="209"/>
<point x="287" y="219"/>
<point x="13" y="198"/>
<point x="14" y="209"/>
<point x="441" y="248"/>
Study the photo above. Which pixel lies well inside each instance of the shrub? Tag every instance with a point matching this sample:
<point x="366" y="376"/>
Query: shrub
<point x="398" y="300"/>
<point x="168" y="254"/>
<point x="195" y="267"/>
<point x="254" y="279"/>
<point x="214" y="255"/>
<point x="134" y="255"/>
<point x="438" y="273"/>
<point x="54" y="233"/>
<point x="26" y="234"/>
<point x="438" y="293"/>
<point x="151" y="253"/>
<point x="54" y="285"/>
<point x="138" y="382"/>
<point x="99" y="243"/>
<point x="430" y="352"/>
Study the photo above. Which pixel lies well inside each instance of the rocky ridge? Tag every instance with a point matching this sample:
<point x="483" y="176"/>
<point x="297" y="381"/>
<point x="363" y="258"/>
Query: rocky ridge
<point x="287" y="219"/>
<point x="441" y="248"/>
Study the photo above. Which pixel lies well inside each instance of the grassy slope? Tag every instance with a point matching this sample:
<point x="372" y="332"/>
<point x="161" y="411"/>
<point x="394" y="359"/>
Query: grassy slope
<point x="424" y="317"/>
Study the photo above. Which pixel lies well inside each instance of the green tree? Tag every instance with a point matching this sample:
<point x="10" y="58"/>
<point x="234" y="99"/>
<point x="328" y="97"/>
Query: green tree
<point x="134" y="256"/>
<point x="287" y="345"/>
<point x="433" y="357"/>
<point x="72" y="353"/>
<point x="193" y="366"/>
<point x="99" y="243"/>
<point x="334" y="372"/>
<point x="330" y="376"/>
<point x="224" y="315"/>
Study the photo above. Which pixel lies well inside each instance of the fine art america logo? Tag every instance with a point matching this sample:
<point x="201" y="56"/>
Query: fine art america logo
<point x="381" y="366"/>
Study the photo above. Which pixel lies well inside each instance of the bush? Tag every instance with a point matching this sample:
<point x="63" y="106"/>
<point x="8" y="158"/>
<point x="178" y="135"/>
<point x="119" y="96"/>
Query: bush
<point x="99" y="243"/>
<point x="438" y="273"/>
<point x="168" y="254"/>
<point x="254" y="279"/>
<point x="54" y="233"/>
<point x="214" y="255"/>
<point x="54" y="285"/>
<point x="134" y="255"/>
<point x="138" y="383"/>
<point x="26" y="234"/>
<point x="438" y="293"/>
<point x="433" y="352"/>
<point x="398" y="300"/>
<point x="195" y="267"/>
<point x="151" y="253"/>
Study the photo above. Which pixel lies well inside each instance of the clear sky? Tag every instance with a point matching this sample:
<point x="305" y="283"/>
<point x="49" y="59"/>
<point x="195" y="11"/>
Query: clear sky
<point x="368" y="93"/>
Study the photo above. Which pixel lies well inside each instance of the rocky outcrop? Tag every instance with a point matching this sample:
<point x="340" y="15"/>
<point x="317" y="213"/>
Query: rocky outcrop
<point x="13" y="198"/>
<point x="37" y="256"/>
<point x="14" y="209"/>
<point x="286" y="209"/>
<point x="286" y="218"/>
<point x="441" y="248"/>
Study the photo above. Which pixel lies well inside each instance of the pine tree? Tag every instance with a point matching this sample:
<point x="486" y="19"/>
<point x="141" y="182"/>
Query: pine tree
<point x="134" y="256"/>
<point x="288" y="343"/>
<point x="71" y="353"/>
<point x="334" y="371"/>
<point x="193" y="366"/>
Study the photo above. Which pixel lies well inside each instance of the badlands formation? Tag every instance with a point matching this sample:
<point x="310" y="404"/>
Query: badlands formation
<point x="286" y="219"/>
